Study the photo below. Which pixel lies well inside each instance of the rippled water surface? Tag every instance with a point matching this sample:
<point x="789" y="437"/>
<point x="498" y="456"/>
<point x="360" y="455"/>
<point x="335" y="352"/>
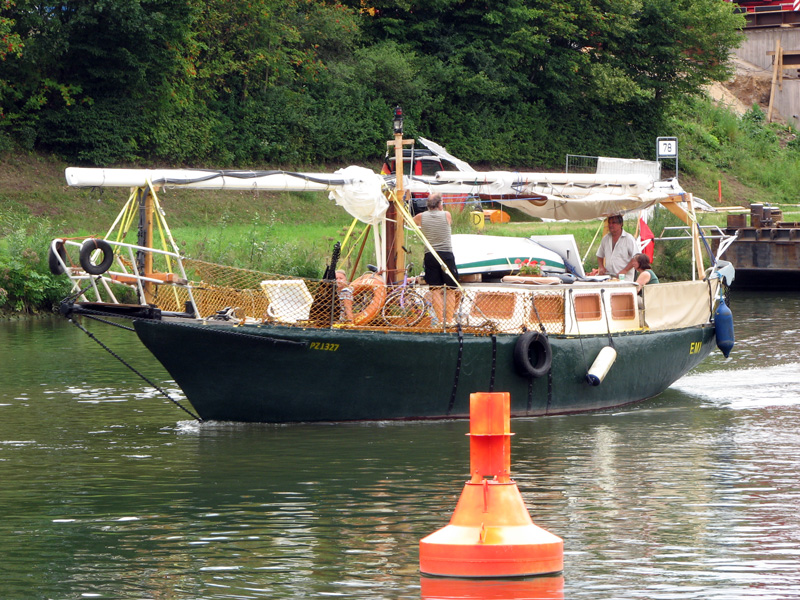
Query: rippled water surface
<point x="108" y="491"/>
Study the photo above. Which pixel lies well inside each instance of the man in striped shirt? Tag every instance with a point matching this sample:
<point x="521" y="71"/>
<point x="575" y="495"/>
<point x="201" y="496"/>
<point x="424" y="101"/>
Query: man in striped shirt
<point x="435" y="225"/>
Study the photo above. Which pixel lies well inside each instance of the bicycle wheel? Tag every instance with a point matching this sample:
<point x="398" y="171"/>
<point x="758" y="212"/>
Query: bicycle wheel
<point x="403" y="308"/>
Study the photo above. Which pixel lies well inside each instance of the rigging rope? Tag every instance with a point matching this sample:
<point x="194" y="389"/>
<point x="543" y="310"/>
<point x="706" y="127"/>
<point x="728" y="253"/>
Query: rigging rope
<point x="605" y="312"/>
<point x="458" y="370"/>
<point x="120" y="359"/>
<point x="589" y="249"/>
<point x="577" y="328"/>
<point x="67" y="310"/>
<point x="494" y="362"/>
<point x="245" y="175"/>
<point x="536" y="312"/>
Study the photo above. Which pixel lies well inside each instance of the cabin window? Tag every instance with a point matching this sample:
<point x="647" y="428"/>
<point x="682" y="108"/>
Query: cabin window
<point x="587" y="307"/>
<point x="622" y="307"/>
<point x="493" y="305"/>
<point x="549" y="308"/>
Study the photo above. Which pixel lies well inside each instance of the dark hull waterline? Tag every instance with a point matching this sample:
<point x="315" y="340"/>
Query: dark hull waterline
<point x="277" y="374"/>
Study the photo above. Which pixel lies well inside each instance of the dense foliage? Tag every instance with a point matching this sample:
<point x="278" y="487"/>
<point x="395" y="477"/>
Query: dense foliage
<point x="716" y="144"/>
<point x="292" y="81"/>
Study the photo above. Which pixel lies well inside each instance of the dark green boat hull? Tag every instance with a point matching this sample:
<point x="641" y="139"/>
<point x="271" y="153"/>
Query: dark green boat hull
<point x="276" y="374"/>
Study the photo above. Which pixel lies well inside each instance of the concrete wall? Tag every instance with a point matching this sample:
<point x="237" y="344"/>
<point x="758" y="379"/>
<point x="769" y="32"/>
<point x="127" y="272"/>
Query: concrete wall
<point x="760" y="41"/>
<point x="787" y="101"/>
<point x="754" y="50"/>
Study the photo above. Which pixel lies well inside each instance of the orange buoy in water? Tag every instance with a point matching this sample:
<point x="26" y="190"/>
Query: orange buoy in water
<point x="490" y="533"/>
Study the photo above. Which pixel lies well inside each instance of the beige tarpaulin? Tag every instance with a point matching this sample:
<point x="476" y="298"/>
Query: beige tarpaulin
<point x="581" y="209"/>
<point x="677" y="304"/>
<point x="557" y="196"/>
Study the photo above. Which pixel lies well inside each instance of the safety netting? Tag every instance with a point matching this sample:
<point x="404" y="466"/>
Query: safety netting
<point x="247" y="296"/>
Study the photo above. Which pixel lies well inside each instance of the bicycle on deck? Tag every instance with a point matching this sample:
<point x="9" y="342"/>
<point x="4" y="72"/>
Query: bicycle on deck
<point x="404" y="307"/>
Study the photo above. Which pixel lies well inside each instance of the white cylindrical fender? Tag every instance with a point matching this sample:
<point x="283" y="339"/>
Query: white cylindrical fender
<point x="601" y="366"/>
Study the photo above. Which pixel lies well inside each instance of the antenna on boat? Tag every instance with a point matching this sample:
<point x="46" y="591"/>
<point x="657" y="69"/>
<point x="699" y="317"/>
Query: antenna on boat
<point x="395" y="259"/>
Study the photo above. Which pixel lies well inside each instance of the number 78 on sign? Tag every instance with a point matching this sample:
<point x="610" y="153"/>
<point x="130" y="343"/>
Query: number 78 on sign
<point x="667" y="147"/>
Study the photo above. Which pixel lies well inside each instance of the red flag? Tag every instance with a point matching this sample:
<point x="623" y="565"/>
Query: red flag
<point x="646" y="236"/>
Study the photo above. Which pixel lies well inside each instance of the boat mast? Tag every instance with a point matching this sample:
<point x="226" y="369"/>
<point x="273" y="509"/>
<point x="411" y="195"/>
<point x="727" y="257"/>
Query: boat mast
<point x="396" y="259"/>
<point x="144" y="258"/>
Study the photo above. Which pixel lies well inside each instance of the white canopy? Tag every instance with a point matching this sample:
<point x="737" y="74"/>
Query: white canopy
<point x="557" y="196"/>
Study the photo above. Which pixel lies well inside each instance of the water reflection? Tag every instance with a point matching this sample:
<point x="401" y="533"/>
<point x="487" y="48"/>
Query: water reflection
<point x="107" y="492"/>
<point x="540" y="588"/>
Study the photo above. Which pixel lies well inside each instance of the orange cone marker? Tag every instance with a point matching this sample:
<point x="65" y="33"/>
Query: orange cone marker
<point x="490" y="533"/>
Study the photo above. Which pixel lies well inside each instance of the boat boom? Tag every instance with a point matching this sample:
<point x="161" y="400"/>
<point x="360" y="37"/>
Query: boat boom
<point x="205" y="179"/>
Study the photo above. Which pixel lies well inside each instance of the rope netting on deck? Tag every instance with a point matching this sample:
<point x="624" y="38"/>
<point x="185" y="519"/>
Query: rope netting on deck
<point x="252" y="296"/>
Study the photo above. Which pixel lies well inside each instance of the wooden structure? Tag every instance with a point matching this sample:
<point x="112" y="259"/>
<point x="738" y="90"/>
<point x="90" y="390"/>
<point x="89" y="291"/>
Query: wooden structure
<point x="759" y="49"/>
<point x="766" y="254"/>
<point x="781" y="60"/>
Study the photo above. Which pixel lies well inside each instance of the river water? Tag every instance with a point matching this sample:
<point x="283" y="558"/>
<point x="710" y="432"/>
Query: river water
<point x="109" y="491"/>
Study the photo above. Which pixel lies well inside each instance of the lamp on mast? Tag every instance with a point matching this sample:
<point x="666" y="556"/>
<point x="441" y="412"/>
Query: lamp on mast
<point x="397" y="122"/>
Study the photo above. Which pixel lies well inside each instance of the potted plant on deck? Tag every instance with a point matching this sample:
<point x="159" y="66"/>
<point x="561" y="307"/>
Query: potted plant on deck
<point x="529" y="268"/>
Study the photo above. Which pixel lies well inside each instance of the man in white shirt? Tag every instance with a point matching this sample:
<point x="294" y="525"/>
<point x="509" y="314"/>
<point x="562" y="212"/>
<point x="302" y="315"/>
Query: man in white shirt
<point x="616" y="252"/>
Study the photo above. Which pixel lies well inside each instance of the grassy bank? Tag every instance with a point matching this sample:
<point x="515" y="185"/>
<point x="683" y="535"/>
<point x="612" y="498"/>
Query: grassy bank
<point x="294" y="233"/>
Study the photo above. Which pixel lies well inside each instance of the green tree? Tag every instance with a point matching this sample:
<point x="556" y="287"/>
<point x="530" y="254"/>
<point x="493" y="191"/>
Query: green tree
<point x="10" y="49"/>
<point x="92" y="75"/>
<point x="681" y="45"/>
<point x="589" y="75"/>
<point x="263" y="68"/>
<point x="10" y="41"/>
<point x="567" y="51"/>
<point x="288" y="81"/>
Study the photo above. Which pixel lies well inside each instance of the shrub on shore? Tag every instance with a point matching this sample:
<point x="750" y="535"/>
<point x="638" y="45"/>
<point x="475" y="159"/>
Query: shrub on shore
<point x="26" y="284"/>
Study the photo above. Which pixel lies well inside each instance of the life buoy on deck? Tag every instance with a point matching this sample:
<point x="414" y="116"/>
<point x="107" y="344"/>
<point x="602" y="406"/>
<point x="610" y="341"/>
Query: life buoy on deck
<point x="88" y="247"/>
<point x="57" y="251"/>
<point x="366" y="284"/>
<point x="532" y="354"/>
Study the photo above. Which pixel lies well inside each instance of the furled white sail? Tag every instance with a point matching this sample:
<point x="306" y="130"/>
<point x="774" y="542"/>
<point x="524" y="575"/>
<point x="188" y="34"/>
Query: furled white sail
<point x="357" y="189"/>
<point x="361" y="195"/>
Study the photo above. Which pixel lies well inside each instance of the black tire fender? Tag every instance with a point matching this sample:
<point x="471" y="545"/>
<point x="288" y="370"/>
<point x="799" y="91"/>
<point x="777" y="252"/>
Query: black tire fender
<point x="55" y="265"/>
<point x="88" y="247"/>
<point x="532" y="354"/>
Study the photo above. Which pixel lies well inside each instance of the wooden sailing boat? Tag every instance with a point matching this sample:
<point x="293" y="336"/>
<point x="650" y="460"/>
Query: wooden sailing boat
<point x="251" y="346"/>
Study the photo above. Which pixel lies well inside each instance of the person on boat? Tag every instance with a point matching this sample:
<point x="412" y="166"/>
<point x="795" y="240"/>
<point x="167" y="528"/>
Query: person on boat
<point x="345" y="292"/>
<point x="616" y="252"/>
<point x="646" y="275"/>
<point x="436" y="227"/>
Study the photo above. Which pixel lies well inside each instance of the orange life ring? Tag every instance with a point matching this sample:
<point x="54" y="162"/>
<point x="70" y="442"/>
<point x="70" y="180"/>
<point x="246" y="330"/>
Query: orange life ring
<point x="369" y="282"/>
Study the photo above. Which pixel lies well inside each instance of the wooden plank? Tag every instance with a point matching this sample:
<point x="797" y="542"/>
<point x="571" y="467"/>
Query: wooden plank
<point x="790" y="59"/>
<point x="775" y="63"/>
